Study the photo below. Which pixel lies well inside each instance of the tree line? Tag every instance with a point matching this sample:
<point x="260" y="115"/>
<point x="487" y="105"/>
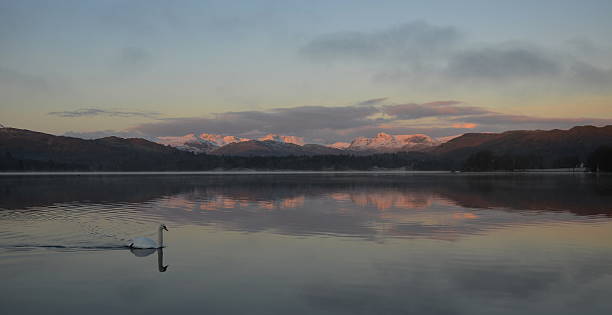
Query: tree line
<point x="599" y="160"/>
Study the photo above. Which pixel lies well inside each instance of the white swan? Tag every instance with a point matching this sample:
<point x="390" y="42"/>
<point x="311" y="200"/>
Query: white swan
<point x="145" y="242"/>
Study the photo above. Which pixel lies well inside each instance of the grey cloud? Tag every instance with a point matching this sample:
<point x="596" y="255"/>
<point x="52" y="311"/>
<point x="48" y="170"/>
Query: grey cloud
<point x="104" y="112"/>
<point x="436" y="109"/>
<point x="506" y="62"/>
<point x="371" y="102"/>
<point x="584" y="47"/>
<point x="443" y="103"/>
<point x="326" y="124"/>
<point x="419" y="48"/>
<point x="424" y="54"/>
<point x="408" y="40"/>
<point x="330" y="124"/>
<point x="502" y="63"/>
<point x="594" y="76"/>
<point x="304" y="121"/>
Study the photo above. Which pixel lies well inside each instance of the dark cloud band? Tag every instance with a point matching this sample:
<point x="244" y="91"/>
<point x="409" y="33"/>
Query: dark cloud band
<point x="326" y="124"/>
<point x="104" y="112"/>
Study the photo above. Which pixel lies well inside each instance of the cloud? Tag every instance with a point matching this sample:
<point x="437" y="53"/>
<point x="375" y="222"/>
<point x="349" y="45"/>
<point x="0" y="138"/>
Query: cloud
<point x="326" y="124"/>
<point x="307" y="121"/>
<point x="443" y="103"/>
<point x="435" y="109"/>
<point x="427" y="55"/>
<point x="502" y="63"/>
<point x="371" y="102"/>
<point x="410" y="40"/>
<point x="593" y="76"/>
<point x="465" y="125"/>
<point x="104" y="112"/>
<point x="501" y="122"/>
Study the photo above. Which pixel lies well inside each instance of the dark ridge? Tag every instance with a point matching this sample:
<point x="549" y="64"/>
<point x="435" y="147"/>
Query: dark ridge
<point x="25" y="150"/>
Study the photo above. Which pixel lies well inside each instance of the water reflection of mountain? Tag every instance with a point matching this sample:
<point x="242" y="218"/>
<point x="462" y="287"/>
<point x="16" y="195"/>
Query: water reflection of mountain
<point x="367" y="206"/>
<point x="582" y="195"/>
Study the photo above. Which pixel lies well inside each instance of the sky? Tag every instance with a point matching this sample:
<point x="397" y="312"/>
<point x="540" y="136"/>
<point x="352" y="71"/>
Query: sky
<point x="324" y="70"/>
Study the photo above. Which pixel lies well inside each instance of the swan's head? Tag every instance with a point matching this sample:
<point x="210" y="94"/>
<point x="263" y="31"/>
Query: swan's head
<point x="163" y="227"/>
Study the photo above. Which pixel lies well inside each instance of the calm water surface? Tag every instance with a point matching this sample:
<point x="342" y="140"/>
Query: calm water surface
<point x="307" y="244"/>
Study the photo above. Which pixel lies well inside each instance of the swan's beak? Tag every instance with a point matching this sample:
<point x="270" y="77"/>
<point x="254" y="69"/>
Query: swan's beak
<point x="165" y="228"/>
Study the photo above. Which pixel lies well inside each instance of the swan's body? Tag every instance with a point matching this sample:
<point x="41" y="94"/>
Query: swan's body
<point x="145" y="242"/>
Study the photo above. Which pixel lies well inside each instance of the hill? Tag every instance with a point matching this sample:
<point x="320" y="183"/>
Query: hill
<point x="110" y="153"/>
<point x="25" y="150"/>
<point x="552" y="148"/>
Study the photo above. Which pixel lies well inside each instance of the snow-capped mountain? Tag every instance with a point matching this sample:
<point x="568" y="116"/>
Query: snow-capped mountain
<point x="221" y="140"/>
<point x="282" y="139"/>
<point x="382" y="142"/>
<point x="387" y="142"/>
<point x="206" y="142"/>
<point x="339" y="145"/>
<point x="189" y="142"/>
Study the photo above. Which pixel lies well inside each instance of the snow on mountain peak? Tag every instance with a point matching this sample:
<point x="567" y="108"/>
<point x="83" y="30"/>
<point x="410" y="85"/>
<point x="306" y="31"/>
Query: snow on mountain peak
<point x="339" y="145"/>
<point x="177" y="141"/>
<point x="221" y="140"/>
<point x="189" y="142"/>
<point x="383" y="141"/>
<point x="206" y="142"/>
<point x="283" y="139"/>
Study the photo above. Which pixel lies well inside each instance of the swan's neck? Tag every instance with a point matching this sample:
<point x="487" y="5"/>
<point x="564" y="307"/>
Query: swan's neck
<point x="160" y="237"/>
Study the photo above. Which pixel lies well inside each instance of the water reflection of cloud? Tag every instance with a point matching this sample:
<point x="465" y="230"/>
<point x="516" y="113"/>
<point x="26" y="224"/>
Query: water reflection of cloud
<point x="192" y="202"/>
<point x="371" y="207"/>
<point x="375" y="214"/>
<point x="395" y="199"/>
<point x="290" y="203"/>
<point x="465" y="215"/>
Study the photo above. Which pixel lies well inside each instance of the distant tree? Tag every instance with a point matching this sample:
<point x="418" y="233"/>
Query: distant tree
<point x="600" y="160"/>
<point x="480" y="161"/>
<point x="569" y="161"/>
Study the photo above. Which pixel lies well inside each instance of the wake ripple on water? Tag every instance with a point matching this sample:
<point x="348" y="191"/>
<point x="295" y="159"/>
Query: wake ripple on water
<point x="76" y="226"/>
<point x="64" y="248"/>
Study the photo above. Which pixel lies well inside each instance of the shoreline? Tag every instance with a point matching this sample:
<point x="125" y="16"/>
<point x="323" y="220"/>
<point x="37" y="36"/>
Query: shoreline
<point x="289" y="172"/>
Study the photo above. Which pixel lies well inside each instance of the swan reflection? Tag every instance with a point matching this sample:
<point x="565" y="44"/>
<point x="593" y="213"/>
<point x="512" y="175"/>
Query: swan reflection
<point x="144" y="252"/>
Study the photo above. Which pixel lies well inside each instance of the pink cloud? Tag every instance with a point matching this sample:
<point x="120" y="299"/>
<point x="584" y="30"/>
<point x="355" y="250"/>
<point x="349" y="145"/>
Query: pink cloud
<point x="465" y="125"/>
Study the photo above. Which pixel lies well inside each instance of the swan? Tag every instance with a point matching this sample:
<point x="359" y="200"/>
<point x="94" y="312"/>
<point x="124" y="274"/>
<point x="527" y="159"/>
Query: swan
<point x="145" y="242"/>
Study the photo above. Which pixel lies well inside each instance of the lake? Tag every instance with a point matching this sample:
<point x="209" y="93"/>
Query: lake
<point x="307" y="244"/>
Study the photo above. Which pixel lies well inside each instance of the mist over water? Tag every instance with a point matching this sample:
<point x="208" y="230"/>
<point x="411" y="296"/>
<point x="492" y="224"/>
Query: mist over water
<point x="307" y="244"/>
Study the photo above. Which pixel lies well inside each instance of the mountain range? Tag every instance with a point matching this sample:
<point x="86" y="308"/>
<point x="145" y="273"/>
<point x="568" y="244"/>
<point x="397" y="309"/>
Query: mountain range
<point x="30" y="150"/>
<point x="279" y="145"/>
<point x="209" y="143"/>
